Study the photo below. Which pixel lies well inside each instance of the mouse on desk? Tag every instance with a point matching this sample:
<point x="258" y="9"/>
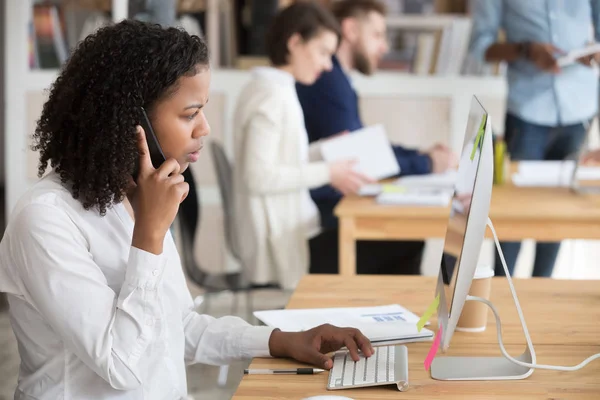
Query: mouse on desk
<point x="328" y="397"/>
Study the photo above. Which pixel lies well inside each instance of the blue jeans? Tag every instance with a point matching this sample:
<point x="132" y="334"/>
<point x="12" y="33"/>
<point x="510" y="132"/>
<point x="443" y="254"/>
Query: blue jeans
<point x="527" y="141"/>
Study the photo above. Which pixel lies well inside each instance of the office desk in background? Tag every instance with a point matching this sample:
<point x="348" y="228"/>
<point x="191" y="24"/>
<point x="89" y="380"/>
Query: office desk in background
<point x="563" y="318"/>
<point x="544" y="214"/>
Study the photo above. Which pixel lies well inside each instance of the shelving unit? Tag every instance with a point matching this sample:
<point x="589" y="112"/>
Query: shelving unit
<point x="20" y="82"/>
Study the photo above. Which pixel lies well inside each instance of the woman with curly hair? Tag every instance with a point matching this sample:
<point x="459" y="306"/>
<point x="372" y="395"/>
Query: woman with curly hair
<point x="98" y="300"/>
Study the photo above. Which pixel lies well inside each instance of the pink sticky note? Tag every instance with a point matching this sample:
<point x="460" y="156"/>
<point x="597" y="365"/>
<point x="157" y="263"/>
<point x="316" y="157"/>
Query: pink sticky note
<point x="433" y="350"/>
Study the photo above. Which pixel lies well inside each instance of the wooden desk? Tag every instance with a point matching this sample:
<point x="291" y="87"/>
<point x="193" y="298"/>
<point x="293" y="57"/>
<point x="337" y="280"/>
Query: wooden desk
<point x="563" y="318"/>
<point x="546" y="214"/>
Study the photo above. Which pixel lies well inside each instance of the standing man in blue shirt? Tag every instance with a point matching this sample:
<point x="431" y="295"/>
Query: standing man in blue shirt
<point x="330" y="107"/>
<point x="549" y="108"/>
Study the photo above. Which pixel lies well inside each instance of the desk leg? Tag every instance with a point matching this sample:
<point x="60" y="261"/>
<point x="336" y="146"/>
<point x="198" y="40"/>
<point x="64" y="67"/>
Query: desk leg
<point x="347" y="240"/>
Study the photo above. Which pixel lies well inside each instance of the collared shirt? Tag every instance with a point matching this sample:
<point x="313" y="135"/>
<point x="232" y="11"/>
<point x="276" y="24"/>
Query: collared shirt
<point x="539" y="97"/>
<point x="96" y="318"/>
<point x="310" y="213"/>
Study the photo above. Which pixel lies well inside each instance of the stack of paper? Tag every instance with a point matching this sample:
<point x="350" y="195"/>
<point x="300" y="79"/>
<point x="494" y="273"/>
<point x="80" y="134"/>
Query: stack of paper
<point x="588" y="173"/>
<point x="445" y="180"/>
<point x="552" y="173"/>
<point x="416" y="196"/>
<point x="369" y="146"/>
<point x="389" y="324"/>
<point x="370" y="190"/>
<point x="574" y="55"/>
<point x="408" y="184"/>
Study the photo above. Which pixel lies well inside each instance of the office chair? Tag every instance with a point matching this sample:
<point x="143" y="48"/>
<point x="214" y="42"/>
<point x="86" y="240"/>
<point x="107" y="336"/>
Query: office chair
<point x="225" y="179"/>
<point x="189" y="217"/>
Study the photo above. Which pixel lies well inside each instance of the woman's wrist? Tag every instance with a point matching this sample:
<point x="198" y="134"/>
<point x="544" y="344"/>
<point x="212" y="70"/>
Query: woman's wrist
<point x="145" y="239"/>
<point x="278" y="343"/>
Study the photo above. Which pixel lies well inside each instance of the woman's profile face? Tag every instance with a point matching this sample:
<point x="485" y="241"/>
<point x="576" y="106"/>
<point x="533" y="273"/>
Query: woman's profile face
<point x="179" y="121"/>
<point x="309" y="59"/>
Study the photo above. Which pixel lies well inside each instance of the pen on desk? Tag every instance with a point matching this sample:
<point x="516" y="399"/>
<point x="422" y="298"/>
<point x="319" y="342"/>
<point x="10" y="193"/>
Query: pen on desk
<point x="292" y="371"/>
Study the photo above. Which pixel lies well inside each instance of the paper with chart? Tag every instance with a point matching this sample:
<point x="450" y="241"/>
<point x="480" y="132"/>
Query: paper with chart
<point x="369" y="146"/>
<point x="390" y="323"/>
<point x="574" y="55"/>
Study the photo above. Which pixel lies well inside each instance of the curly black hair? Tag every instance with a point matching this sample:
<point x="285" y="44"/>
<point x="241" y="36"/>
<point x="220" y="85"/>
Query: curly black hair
<point x="87" y="127"/>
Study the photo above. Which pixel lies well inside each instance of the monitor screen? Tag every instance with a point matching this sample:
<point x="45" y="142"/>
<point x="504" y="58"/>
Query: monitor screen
<point x="461" y="199"/>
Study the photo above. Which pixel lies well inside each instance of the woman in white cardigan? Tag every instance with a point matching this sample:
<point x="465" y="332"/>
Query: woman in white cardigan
<point x="274" y="165"/>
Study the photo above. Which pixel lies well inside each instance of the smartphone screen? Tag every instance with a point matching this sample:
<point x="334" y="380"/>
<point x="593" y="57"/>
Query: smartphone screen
<point x="156" y="155"/>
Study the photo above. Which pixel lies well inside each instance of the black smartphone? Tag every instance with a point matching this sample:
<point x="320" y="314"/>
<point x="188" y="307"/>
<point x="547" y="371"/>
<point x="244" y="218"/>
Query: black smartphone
<point x="156" y="155"/>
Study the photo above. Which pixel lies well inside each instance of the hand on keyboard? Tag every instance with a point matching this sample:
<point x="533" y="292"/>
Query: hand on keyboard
<point x="313" y="345"/>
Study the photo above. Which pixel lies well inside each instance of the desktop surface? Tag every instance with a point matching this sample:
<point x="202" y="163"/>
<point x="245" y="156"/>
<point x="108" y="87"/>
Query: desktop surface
<point x="529" y="208"/>
<point x="562" y="317"/>
<point x="544" y="214"/>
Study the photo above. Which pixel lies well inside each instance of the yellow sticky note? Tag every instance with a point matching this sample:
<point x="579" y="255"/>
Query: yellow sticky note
<point x="499" y="162"/>
<point x="479" y="136"/>
<point x="430" y="311"/>
<point x="393" y="189"/>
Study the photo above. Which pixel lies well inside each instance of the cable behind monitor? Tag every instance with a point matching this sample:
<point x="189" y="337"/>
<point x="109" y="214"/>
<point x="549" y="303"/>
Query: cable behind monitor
<point x="520" y="312"/>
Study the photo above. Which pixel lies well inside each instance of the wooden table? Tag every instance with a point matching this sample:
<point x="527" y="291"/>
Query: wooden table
<point x="563" y="318"/>
<point x="545" y="214"/>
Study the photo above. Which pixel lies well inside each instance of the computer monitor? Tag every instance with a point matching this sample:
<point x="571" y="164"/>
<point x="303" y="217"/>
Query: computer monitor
<point x="464" y="236"/>
<point x="467" y="220"/>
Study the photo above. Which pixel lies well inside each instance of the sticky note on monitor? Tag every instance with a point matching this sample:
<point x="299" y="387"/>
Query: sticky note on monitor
<point x="430" y="311"/>
<point x="479" y="137"/>
<point x="434" y="349"/>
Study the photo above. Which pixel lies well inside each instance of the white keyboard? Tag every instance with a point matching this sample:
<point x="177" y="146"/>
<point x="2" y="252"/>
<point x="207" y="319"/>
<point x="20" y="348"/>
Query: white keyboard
<point x="382" y="368"/>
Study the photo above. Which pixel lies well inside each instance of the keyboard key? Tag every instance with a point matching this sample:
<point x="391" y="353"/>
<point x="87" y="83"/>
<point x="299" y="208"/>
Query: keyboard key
<point x="382" y="362"/>
<point x="359" y="375"/>
<point x="348" y="375"/>
<point x="391" y="363"/>
<point x="335" y="375"/>
<point x="369" y="376"/>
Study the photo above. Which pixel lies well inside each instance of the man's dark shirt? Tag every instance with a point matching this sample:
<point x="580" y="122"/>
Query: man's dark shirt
<point x="330" y="107"/>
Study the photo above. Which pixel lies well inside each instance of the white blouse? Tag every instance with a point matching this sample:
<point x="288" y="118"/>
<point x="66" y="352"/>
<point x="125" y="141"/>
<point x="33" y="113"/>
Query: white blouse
<point x="96" y="318"/>
<point x="310" y="212"/>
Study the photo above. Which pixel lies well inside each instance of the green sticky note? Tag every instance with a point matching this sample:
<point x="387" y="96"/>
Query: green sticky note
<point x="393" y="189"/>
<point x="479" y="137"/>
<point x="430" y="311"/>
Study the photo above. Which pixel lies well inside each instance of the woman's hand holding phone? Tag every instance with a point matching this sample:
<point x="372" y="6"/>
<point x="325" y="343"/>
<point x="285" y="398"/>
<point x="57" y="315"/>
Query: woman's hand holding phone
<point x="158" y="195"/>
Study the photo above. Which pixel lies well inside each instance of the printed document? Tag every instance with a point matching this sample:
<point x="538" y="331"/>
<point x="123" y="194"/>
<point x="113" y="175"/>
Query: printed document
<point x="383" y="324"/>
<point x="369" y="146"/>
<point x="574" y="55"/>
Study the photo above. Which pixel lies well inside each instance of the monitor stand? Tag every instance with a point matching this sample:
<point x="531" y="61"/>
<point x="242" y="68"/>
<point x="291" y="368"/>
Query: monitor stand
<point x="482" y="368"/>
<point x="487" y="368"/>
